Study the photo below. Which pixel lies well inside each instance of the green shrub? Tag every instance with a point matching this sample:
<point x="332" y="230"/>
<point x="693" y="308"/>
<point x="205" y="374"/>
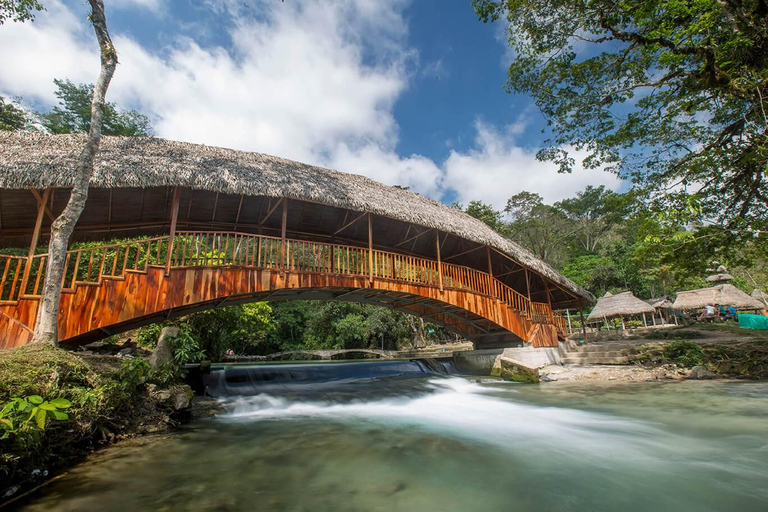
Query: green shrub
<point x="146" y="337"/>
<point x="684" y="353"/>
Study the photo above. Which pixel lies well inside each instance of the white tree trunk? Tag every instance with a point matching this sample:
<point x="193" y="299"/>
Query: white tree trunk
<point x="64" y="225"/>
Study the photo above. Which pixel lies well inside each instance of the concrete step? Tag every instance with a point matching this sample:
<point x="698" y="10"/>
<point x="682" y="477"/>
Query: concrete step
<point x="594" y="361"/>
<point x="588" y="355"/>
<point x="612" y="347"/>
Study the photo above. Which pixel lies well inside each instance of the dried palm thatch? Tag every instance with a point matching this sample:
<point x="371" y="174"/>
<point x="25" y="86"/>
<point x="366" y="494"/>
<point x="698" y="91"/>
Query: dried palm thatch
<point x="42" y="161"/>
<point x="623" y="304"/>
<point x="719" y="278"/>
<point x="660" y="303"/>
<point x="723" y="294"/>
<point x="759" y="295"/>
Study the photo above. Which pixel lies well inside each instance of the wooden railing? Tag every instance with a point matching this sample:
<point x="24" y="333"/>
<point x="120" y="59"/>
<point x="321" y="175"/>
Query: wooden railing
<point x="23" y="277"/>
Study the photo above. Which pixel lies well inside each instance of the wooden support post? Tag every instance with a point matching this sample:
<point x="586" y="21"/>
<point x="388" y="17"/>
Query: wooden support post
<point x="283" y="231"/>
<point x="654" y="319"/>
<point x="623" y="325"/>
<point x="41" y="207"/>
<point x="439" y="261"/>
<point x="549" y="302"/>
<point x="583" y="325"/>
<point x="568" y="316"/>
<point x="645" y="321"/>
<point x="528" y="285"/>
<point x="370" y="248"/>
<point x="490" y="271"/>
<point x="174" y="219"/>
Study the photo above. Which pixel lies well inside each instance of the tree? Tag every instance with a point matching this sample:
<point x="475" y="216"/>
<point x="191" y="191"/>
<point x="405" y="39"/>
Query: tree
<point x="539" y="227"/>
<point x="18" y="10"/>
<point x="671" y="94"/>
<point x="64" y="224"/>
<point x="12" y="118"/>
<point x="485" y="213"/>
<point x="595" y="210"/>
<point x="73" y="115"/>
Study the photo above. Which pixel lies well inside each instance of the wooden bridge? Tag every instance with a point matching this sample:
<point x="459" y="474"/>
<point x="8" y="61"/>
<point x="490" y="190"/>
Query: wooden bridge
<point x="195" y="227"/>
<point x="112" y="288"/>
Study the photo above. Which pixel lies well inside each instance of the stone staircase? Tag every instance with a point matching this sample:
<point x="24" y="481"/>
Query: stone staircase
<point x="611" y="352"/>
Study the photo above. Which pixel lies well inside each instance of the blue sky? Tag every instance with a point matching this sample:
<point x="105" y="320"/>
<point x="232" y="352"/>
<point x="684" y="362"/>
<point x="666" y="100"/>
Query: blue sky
<point x="405" y="92"/>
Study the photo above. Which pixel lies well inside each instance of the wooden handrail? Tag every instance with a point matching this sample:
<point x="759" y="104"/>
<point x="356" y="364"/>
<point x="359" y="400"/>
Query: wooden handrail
<point x="89" y="265"/>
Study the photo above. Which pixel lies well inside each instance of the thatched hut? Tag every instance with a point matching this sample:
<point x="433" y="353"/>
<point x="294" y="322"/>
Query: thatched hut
<point x="663" y="308"/>
<point x="622" y="305"/>
<point x="720" y="278"/>
<point x="723" y="294"/>
<point x="759" y="295"/>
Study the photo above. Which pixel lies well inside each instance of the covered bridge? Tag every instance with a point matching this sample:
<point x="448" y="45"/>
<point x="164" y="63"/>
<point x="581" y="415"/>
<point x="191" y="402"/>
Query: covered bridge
<point x="209" y="226"/>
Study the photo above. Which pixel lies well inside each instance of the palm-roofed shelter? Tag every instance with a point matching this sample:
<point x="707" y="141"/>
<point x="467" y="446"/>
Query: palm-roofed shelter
<point x="759" y="295"/>
<point x="621" y="305"/>
<point x="292" y="230"/>
<point x="723" y="294"/>
<point x="663" y="307"/>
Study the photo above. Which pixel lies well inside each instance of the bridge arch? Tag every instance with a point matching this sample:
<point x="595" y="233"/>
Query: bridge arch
<point x="211" y="224"/>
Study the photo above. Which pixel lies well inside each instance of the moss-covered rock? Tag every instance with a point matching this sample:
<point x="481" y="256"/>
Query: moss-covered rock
<point x="518" y="372"/>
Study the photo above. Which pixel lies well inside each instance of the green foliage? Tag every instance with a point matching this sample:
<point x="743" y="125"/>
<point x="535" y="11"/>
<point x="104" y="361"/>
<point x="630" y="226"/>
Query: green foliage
<point x="19" y="10"/>
<point x="12" y="118"/>
<point x="22" y="415"/>
<point x="664" y="92"/>
<point x="73" y="115"/>
<point x="684" y="353"/>
<point x="186" y="348"/>
<point x="485" y="213"/>
<point x="243" y="329"/>
<point x="146" y="337"/>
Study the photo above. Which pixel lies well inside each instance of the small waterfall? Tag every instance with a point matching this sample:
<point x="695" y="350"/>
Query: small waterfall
<point x="254" y="379"/>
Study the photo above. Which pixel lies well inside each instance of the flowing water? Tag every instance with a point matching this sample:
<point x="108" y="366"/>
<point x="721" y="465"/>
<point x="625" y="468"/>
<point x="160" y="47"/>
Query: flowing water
<point x="401" y="437"/>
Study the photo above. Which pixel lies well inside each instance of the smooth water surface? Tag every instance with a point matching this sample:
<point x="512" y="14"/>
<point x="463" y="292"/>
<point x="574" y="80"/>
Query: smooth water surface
<point x="438" y="443"/>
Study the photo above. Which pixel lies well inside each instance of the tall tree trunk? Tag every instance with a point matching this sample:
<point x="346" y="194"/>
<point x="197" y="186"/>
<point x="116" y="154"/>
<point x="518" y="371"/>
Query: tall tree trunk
<point x="62" y="227"/>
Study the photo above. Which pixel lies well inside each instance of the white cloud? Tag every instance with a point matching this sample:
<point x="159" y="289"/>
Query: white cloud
<point x="497" y="169"/>
<point x="151" y="5"/>
<point x="314" y="81"/>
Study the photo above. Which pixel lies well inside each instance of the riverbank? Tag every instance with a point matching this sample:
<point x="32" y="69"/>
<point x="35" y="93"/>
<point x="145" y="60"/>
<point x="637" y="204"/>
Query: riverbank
<point x="101" y="399"/>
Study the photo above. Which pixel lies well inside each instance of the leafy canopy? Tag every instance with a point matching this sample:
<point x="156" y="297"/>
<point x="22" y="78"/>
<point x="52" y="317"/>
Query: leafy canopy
<point x="672" y="94"/>
<point x="19" y="10"/>
<point x="73" y="114"/>
<point x="12" y="118"/>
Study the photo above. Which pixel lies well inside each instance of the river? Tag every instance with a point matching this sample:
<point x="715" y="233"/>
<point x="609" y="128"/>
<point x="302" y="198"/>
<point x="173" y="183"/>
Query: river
<point x="406" y="439"/>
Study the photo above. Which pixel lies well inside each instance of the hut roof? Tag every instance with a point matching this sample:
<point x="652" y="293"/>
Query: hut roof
<point x="759" y="295"/>
<point x="42" y="161"/>
<point x="724" y="294"/>
<point x="719" y="278"/>
<point x="621" y="304"/>
<point x="660" y="303"/>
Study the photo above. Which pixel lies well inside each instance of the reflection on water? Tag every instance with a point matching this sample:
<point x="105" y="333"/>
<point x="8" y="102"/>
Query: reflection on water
<point x="448" y="444"/>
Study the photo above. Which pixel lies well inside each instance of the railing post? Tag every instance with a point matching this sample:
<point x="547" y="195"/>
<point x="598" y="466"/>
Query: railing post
<point x="172" y="235"/>
<point x="33" y="243"/>
<point x="439" y="262"/>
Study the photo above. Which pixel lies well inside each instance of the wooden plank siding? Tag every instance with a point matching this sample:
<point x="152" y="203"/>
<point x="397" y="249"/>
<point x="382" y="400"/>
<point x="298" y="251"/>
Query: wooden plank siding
<point x="112" y="288"/>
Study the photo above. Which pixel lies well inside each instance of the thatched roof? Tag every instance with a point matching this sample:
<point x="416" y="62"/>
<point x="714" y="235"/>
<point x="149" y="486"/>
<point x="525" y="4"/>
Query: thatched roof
<point x="620" y="305"/>
<point x="719" y="278"/>
<point x="759" y="295"/>
<point x="41" y="161"/>
<point x="723" y="294"/>
<point x="660" y="303"/>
